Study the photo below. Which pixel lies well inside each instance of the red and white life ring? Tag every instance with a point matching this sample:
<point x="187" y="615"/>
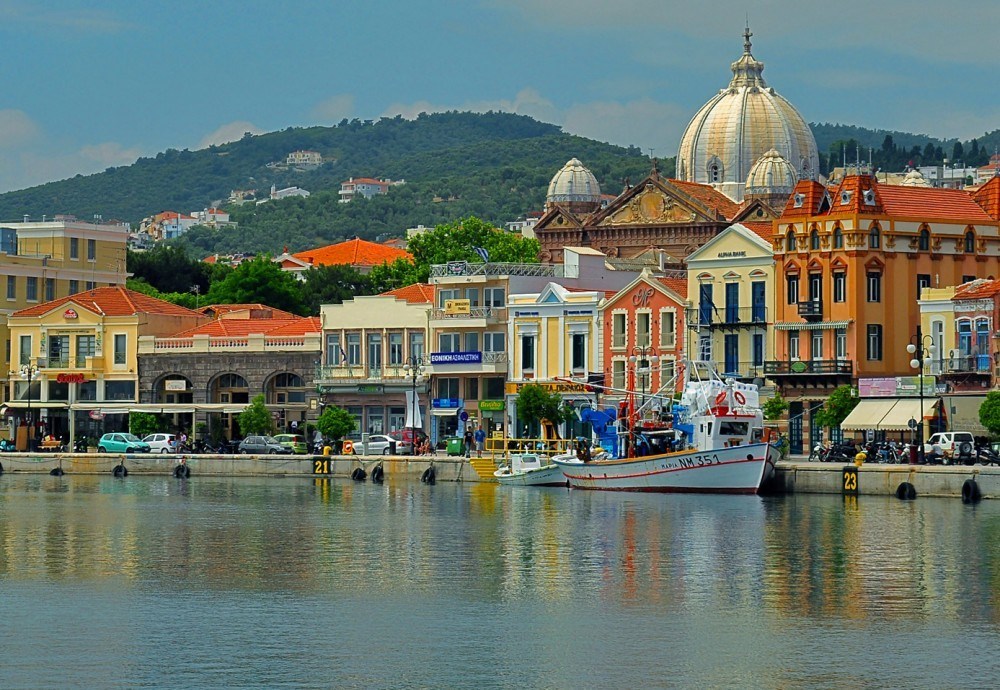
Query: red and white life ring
<point x="740" y="398"/>
<point x="720" y="398"/>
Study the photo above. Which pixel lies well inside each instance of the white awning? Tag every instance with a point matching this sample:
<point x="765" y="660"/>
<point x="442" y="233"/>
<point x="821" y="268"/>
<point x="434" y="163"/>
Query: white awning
<point x="867" y="414"/>
<point x="898" y="418"/>
<point x="36" y="404"/>
<point x="444" y="412"/>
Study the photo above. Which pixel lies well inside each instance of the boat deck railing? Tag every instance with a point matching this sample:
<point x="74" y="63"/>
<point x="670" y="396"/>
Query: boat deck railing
<point x="502" y="447"/>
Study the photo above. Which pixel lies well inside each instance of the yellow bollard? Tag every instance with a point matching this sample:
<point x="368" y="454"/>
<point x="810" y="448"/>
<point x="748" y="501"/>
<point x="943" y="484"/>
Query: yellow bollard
<point x="326" y="450"/>
<point x="859" y="458"/>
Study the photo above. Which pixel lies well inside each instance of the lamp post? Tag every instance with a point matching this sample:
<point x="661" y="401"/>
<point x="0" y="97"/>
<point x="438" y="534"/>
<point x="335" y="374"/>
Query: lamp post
<point x="922" y="350"/>
<point x="643" y="356"/>
<point x="30" y="373"/>
<point x="414" y="367"/>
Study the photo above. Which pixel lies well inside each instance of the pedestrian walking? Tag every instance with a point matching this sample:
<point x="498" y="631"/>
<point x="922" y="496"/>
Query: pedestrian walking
<point x="480" y="437"/>
<point x="467" y="441"/>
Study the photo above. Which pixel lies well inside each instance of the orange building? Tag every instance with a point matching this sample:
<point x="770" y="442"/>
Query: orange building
<point x="851" y="261"/>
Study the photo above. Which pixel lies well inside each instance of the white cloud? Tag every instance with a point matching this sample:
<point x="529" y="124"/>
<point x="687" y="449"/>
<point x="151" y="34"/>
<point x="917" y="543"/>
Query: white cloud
<point x="333" y="109"/>
<point x="83" y="20"/>
<point x="109" y="153"/>
<point x="16" y="129"/>
<point x="231" y="131"/>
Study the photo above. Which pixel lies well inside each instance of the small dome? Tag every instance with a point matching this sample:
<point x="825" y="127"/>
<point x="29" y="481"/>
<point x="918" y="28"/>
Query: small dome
<point x="574" y="183"/>
<point x="915" y="178"/>
<point x="771" y="174"/>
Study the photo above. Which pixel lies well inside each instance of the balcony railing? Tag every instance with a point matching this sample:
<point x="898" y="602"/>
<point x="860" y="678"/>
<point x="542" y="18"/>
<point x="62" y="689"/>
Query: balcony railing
<point x="358" y="373"/>
<point x="497" y="313"/>
<point x="727" y="317"/>
<point x="811" y="366"/>
<point x="309" y="342"/>
<point x="968" y="364"/>
<point x="741" y="370"/>
<point x="464" y="268"/>
<point x="494" y="358"/>
<point x="811" y="310"/>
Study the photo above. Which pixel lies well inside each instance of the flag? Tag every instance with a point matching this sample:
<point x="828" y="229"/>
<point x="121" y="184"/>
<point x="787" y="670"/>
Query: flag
<point x="483" y="254"/>
<point x="343" y="353"/>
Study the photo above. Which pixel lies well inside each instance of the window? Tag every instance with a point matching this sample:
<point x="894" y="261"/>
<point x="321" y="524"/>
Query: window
<point x="618" y="330"/>
<point x="792" y="283"/>
<point x="11" y="287"/>
<point x="528" y="353"/>
<point x="91" y="285"/>
<point x="923" y="281"/>
<point x="472" y="342"/>
<point x="472" y="388"/>
<point x="494" y="342"/>
<point x="618" y="374"/>
<point x="840" y="343"/>
<point x="50" y="289"/>
<point x="74" y="248"/>
<point x="494" y="386"/>
<point x="353" y="349"/>
<point x="924" y="240"/>
<point x="395" y="349"/>
<point x="121" y="355"/>
<point x="472" y="294"/>
<point x="816" y="347"/>
<point x="967" y="279"/>
<point x="449" y="342"/>
<point x="334" y="355"/>
<point x="757" y="349"/>
<point x="445" y="295"/>
<point x="970" y="242"/>
<point x="840" y="287"/>
<point x="705" y="348"/>
<point x="790" y="241"/>
<point x="494" y="297"/>
<point x="874" y="287"/>
<point x="119" y="390"/>
<point x="965" y="338"/>
<point x="86" y="346"/>
<point x="578" y="352"/>
<point x="416" y="345"/>
<point x="874" y="238"/>
<point x="793" y="345"/>
<point x="74" y="287"/>
<point x="874" y="342"/>
<point x="706" y="304"/>
<point x="25" y="350"/>
<point x="374" y="352"/>
<point x="91" y="250"/>
<point x="668" y="326"/>
<point x="816" y="287"/>
<point x="838" y="238"/>
<point x="448" y="388"/>
<point x="982" y="336"/>
<point x="642" y="335"/>
<point x="31" y="292"/>
<point x="814" y="240"/>
<point x="758" y="301"/>
<point x="732" y="302"/>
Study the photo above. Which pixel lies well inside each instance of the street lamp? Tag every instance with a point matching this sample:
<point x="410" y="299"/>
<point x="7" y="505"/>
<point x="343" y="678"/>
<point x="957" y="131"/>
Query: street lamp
<point x="639" y="355"/>
<point x="922" y="350"/>
<point x="30" y="373"/>
<point x="414" y="367"/>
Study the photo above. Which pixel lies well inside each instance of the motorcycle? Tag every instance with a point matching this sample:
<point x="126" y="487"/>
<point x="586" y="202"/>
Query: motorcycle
<point x="985" y="455"/>
<point x="81" y="444"/>
<point x="818" y="453"/>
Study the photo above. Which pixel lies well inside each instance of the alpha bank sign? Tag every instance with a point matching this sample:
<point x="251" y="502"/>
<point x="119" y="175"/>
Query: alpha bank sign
<point x="456" y="358"/>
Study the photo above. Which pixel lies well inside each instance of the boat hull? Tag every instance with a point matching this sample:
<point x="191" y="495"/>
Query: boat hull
<point x="549" y="475"/>
<point x="735" y="470"/>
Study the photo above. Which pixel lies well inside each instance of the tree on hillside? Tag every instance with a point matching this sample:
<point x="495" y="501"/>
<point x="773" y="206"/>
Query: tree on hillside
<point x="256" y="418"/>
<point x="169" y="269"/>
<point x="258" y="281"/>
<point x="333" y="285"/>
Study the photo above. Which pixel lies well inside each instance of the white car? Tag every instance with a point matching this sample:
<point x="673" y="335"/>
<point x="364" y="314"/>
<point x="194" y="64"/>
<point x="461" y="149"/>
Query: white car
<point x="378" y="444"/>
<point x="161" y="443"/>
<point x="952" y="442"/>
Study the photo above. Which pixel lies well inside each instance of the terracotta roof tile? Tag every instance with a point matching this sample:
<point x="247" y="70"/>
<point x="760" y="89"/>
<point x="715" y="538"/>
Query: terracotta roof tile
<point x="258" y="311"/>
<point x="239" y="328"/>
<point x="977" y="289"/>
<point x="763" y="229"/>
<point x="418" y="293"/>
<point x="709" y="196"/>
<point x="111" y="301"/>
<point x="356" y="252"/>
<point x="988" y="197"/>
<point x="678" y="285"/>
<point x="812" y="197"/>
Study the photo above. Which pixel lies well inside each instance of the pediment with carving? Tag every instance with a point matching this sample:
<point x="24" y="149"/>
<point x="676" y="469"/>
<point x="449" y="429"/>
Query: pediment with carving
<point x="650" y="206"/>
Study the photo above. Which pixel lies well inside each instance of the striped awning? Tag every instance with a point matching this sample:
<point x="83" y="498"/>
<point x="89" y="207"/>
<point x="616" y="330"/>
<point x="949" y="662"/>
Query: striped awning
<point x="807" y="326"/>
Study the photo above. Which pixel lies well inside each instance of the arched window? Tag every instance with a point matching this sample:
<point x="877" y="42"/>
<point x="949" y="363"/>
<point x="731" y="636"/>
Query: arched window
<point x="874" y="237"/>
<point x="714" y="170"/>
<point x="790" y="241"/>
<point x="814" y="239"/>
<point x="970" y="242"/>
<point x="838" y="238"/>
<point x="924" y="240"/>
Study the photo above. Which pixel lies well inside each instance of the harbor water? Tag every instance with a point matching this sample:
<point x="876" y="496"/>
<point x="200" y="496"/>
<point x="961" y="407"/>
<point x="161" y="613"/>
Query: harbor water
<point x="317" y="583"/>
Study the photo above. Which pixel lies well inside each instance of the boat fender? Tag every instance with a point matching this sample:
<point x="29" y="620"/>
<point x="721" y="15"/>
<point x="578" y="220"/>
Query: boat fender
<point x="182" y="472"/>
<point x="429" y="476"/>
<point x="720" y="398"/>
<point x="740" y="398"/>
<point x="56" y="472"/>
<point x="970" y="491"/>
<point x="120" y="471"/>
<point x="359" y="475"/>
<point x="378" y="474"/>
<point x="906" y="492"/>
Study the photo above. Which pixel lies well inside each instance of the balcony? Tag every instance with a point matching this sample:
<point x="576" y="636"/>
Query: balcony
<point x="476" y="316"/>
<point x="344" y="375"/>
<point x="967" y="364"/>
<point x="811" y="310"/>
<point x="152" y="345"/>
<point x="726" y="318"/>
<point x="812" y="367"/>
<point x="457" y="269"/>
<point x="741" y="370"/>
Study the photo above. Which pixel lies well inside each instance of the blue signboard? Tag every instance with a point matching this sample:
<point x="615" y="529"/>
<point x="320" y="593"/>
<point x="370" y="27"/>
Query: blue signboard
<point x="445" y="403"/>
<point x="456" y="358"/>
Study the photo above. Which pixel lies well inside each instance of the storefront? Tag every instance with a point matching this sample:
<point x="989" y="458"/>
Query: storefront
<point x="444" y="418"/>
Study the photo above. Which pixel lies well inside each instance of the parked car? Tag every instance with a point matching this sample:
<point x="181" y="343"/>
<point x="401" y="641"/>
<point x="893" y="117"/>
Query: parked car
<point x="294" y="442"/>
<point x="951" y="442"/>
<point x="404" y="440"/>
<point x="161" y="443"/>
<point x="121" y="443"/>
<point x="378" y="444"/>
<point x="263" y="445"/>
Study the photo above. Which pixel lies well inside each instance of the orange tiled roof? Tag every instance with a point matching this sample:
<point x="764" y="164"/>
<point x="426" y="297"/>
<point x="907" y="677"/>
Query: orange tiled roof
<point x="763" y="229"/>
<point x="239" y="328"/>
<point x="366" y="180"/>
<point x="812" y="192"/>
<point x="977" y="289"/>
<point x="273" y="313"/>
<point x="931" y="203"/>
<point x="211" y="259"/>
<point x="111" y="301"/>
<point x="678" y="285"/>
<point x="418" y="293"/>
<point x="988" y="197"/>
<point x="709" y="196"/>
<point x="356" y="252"/>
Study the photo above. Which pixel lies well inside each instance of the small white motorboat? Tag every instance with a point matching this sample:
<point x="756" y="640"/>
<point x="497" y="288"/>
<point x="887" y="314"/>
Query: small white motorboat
<point x="526" y="469"/>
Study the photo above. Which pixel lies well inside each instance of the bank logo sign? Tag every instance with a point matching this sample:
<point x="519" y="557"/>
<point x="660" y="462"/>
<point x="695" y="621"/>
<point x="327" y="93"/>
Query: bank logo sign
<point x="456" y="358"/>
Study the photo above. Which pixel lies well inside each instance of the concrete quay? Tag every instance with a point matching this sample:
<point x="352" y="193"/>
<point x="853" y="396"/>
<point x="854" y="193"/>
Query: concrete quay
<point x="884" y="480"/>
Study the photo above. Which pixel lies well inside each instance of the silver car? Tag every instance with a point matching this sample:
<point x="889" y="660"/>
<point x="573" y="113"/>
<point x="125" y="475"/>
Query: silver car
<point x="161" y="443"/>
<point x="378" y="444"/>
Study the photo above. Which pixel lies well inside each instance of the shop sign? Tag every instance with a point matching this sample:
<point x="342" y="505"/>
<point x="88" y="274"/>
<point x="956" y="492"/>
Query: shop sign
<point x="896" y="387"/>
<point x="732" y="255"/>
<point x="96" y="414"/>
<point x="445" y="403"/>
<point x="70" y="314"/>
<point x="456" y="358"/>
<point x="371" y="388"/>
<point x="457" y="268"/>
<point x="550" y="386"/>
<point x="453" y="307"/>
<point x="175" y="385"/>
<point x="70" y="378"/>
<point x="491" y="405"/>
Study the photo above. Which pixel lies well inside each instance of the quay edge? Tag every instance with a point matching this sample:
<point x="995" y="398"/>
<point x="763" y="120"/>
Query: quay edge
<point x="882" y="480"/>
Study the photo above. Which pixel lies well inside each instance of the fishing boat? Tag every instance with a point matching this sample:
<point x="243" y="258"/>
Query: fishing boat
<point x="526" y="469"/>
<point x="712" y="440"/>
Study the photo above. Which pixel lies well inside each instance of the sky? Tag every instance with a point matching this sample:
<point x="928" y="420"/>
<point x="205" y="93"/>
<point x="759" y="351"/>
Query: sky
<point x="91" y="84"/>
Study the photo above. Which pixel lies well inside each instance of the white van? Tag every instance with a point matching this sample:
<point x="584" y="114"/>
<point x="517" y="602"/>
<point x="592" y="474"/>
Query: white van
<point x="952" y="442"/>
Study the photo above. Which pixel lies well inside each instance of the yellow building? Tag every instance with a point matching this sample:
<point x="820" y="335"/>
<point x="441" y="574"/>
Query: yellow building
<point x="731" y="288"/>
<point x="47" y="260"/>
<point x="555" y="336"/>
<point x="74" y="362"/>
